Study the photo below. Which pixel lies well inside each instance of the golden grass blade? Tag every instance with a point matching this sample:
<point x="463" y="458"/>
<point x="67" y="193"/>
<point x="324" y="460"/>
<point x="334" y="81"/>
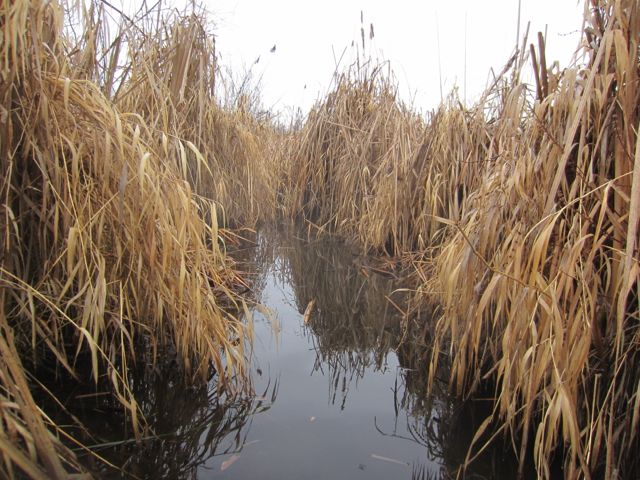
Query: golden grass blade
<point x="85" y="241"/>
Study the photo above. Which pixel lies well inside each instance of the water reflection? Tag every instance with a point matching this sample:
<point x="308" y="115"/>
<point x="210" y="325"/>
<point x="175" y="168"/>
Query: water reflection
<point x="355" y="329"/>
<point x="350" y="321"/>
<point x="339" y="393"/>
<point x="186" y="425"/>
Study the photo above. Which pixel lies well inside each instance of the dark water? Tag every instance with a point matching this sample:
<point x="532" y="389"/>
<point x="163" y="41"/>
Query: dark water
<point x="340" y="396"/>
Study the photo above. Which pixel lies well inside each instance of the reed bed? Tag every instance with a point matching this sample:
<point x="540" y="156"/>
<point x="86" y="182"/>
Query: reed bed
<point x="522" y="211"/>
<point x="367" y="167"/>
<point x="171" y="77"/>
<point x="105" y="251"/>
<point x="349" y="156"/>
<point x="527" y="203"/>
<point x="539" y="277"/>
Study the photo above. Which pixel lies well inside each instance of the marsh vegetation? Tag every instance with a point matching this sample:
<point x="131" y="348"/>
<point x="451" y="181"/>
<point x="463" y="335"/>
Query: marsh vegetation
<point x="512" y="225"/>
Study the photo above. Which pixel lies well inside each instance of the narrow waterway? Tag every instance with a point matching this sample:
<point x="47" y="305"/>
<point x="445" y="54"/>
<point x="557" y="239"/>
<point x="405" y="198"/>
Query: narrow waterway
<point x="340" y="409"/>
<point x="340" y="388"/>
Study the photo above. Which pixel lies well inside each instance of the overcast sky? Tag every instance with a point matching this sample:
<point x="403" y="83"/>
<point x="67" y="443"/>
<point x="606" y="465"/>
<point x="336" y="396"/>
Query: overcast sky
<point x="310" y="37"/>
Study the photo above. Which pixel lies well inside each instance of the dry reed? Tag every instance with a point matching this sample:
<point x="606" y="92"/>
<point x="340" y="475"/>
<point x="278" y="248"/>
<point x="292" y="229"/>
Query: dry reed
<point x="529" y="207"/>
<point x="350" y="156"/>
<point x="104" y="249"/>
<point x="367" y="167"/>
<point x="171" y="77"/>
<point x="529" y="204"/>
<point x="539" y="278"/>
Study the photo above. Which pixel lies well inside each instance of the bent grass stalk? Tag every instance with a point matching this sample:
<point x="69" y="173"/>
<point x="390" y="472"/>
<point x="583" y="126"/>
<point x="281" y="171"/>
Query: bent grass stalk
<point x="104" y="239"/>
<point x="529" y="207"/>
<point x="522" y="211"/>
<point x="540" y="278"/>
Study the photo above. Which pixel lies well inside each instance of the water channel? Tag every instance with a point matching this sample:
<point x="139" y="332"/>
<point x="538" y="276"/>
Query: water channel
<point x="339" y="392"/>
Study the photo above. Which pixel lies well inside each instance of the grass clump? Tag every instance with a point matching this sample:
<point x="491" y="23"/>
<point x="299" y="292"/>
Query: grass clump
<point x="171" y="78"/>
<point x="527" y="205"/>
<point x="105" y="250"/>
<point x="366" y="166"/>
<point x="352" y="158"/>
<point x="539" y="278"/>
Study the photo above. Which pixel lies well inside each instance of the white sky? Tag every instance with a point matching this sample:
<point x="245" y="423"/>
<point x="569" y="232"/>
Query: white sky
<point x="311" y="36"/>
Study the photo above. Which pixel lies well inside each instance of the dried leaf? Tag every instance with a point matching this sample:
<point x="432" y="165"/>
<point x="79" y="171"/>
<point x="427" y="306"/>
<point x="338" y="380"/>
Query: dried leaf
<point x="227" y="463"/>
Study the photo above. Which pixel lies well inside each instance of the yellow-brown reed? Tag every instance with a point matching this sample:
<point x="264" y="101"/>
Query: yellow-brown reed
<point x="348" y="157"/>
<point x="171" y="77"/>
<point x="539" y="277"/>
<point x="535" y="204"/>
<point x="537" y="268"/>
<point x="366" y="166"/>
<point x="104" y="247"/>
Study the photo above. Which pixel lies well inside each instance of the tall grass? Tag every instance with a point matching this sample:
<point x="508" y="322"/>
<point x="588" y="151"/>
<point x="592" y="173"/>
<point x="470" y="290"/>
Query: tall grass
<point x="171" y="77"/>
<point x="348" y="157"/>
<point x="366" y="166"/>
<point x="105" y="250"/>
<point x="539" y="278"/>
<point x="528" y="204"/>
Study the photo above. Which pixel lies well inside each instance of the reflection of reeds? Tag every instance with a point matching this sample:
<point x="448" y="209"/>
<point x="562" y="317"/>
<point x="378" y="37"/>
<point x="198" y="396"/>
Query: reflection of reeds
<point x="187" y="424"/>
<point x="354" y="327"/>
<point x="351" y="309"/>
<point x="443" y="423"/>
<point x="534" y="200"/>
<point x="353" y="324"/>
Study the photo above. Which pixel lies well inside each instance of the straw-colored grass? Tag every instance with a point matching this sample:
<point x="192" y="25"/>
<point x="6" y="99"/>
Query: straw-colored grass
<point x="367" y="167"/>
<point x="105" y="250"/>
<point x="539" y="279"/>
<point x="349" y="157"/>
<point x="171" y="77"/>
<point x="528" y="204"/>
